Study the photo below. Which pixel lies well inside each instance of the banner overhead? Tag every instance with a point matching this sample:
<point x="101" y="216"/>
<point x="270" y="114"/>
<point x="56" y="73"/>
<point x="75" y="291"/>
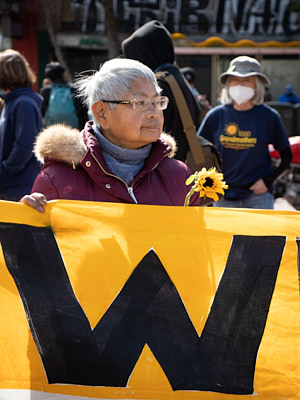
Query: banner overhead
<point x="116" y="301"/>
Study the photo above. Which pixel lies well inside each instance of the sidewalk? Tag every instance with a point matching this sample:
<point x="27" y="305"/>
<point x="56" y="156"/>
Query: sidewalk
<point x="282" y="204"/>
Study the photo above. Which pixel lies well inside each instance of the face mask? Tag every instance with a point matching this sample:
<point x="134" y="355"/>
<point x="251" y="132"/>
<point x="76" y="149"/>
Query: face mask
<point x="241" y="94"/>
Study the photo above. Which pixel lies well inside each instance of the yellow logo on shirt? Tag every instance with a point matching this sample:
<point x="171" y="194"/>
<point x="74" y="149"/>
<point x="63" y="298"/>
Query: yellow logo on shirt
<point x="236" y="139"/>
<point x="231" y="128"/>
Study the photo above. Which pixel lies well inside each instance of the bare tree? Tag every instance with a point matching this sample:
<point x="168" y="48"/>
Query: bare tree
<point x="52" y="12"/>
<point x="111" y="29"/>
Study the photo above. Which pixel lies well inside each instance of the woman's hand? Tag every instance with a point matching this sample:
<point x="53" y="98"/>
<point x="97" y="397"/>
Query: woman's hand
<point x="259" y="187"/>
<point x="36" y="201"/>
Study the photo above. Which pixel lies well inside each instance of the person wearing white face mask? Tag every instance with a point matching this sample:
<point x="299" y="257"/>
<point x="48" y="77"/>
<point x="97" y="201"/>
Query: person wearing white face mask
<point x="241" y="128"/>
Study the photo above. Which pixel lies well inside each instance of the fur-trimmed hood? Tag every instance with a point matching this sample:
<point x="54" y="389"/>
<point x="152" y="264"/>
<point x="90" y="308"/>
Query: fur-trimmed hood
<point x="65" y="144"/>
<point x="60" y="142"/>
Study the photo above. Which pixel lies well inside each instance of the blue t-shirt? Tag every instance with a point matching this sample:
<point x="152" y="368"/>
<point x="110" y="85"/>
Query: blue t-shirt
<point x="242" y="139"/>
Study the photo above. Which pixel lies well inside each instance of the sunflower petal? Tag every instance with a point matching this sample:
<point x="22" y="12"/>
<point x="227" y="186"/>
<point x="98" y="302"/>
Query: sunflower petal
<point x="219" y="190"/>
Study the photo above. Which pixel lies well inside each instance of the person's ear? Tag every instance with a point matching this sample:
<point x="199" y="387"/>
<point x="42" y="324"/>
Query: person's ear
<point x="100" y="112"/>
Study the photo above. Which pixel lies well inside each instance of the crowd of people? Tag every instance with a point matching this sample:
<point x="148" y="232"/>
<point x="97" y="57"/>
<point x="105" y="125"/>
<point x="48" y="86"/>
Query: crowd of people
<point x="133" y="148"/>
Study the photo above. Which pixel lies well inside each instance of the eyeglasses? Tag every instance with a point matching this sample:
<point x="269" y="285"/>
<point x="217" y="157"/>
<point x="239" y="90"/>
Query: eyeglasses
<point x="160" y="103"/>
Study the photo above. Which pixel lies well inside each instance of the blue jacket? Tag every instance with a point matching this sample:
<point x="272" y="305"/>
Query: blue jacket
<point x="20" y="122"/>
<point x="289" y="98"/>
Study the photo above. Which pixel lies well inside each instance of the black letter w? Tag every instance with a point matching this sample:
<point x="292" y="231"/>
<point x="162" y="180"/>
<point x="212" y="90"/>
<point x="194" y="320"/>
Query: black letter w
<point x="147" y="310"/>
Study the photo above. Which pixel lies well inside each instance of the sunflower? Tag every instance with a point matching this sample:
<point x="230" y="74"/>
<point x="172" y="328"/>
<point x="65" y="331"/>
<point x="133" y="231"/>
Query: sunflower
<point x="209" y="183"/>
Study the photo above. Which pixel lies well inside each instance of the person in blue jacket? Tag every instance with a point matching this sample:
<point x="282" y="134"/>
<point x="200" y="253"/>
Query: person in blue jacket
<point x="289" y="96"/>
<point x="20" y="122"/>
<point x="242" y="129"/>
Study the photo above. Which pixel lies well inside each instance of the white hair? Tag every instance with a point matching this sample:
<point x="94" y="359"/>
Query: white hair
<point x="257" y="99"/>
<point x="113" y="81"/>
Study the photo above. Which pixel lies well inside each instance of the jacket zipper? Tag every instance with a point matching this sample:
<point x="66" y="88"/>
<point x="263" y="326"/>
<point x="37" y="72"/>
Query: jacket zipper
<point x="129" y="188"/>
<point x="130" y="191"/>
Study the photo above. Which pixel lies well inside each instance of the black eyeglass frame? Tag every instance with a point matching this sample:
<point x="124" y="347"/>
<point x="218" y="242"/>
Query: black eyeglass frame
<point x="118" y="101"/>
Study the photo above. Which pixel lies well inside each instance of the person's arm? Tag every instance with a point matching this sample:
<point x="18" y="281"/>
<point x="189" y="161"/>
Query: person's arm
<point x="25" y="125"/>
<point x="207" y="127"/>
<point x="81" y="112"/>
<point x="45" y="92"/>
<point x="35" y="200"/>
<point x="262" y="185"/>
<point x="280" y="141"/>
<point x="286" y="157"/>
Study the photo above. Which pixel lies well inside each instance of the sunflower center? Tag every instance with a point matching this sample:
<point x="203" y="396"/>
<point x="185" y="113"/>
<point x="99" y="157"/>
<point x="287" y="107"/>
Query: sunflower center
<point x="208" y="182"/>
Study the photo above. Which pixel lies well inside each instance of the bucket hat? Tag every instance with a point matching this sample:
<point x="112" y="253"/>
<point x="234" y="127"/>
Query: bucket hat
<point x="244" y="66"/>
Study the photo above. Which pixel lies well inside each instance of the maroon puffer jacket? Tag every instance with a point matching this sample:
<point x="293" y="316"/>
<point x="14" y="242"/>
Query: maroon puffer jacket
<point x="74" y="169"/>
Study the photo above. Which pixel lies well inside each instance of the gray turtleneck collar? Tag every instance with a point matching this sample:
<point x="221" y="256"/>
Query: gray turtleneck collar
<point x="125" y="163"/>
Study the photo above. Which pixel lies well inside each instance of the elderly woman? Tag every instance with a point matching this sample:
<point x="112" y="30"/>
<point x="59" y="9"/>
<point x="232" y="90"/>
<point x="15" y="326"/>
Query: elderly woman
<point x="122" y="154"/>
<point x="242" y="128"/>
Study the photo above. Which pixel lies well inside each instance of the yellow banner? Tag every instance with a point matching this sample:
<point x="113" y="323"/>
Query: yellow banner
<point x="114" y="301"/>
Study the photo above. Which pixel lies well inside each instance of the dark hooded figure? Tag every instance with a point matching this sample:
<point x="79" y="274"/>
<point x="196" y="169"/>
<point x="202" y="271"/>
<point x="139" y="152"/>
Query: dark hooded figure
<point x="152" y="45"/>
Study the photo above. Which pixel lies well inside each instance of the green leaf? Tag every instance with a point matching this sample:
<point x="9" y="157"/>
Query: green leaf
<point x="190" y="179"/>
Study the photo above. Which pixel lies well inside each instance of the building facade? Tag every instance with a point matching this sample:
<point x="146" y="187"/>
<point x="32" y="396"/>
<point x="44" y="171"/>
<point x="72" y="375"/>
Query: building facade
<point x="206" y="33"/>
